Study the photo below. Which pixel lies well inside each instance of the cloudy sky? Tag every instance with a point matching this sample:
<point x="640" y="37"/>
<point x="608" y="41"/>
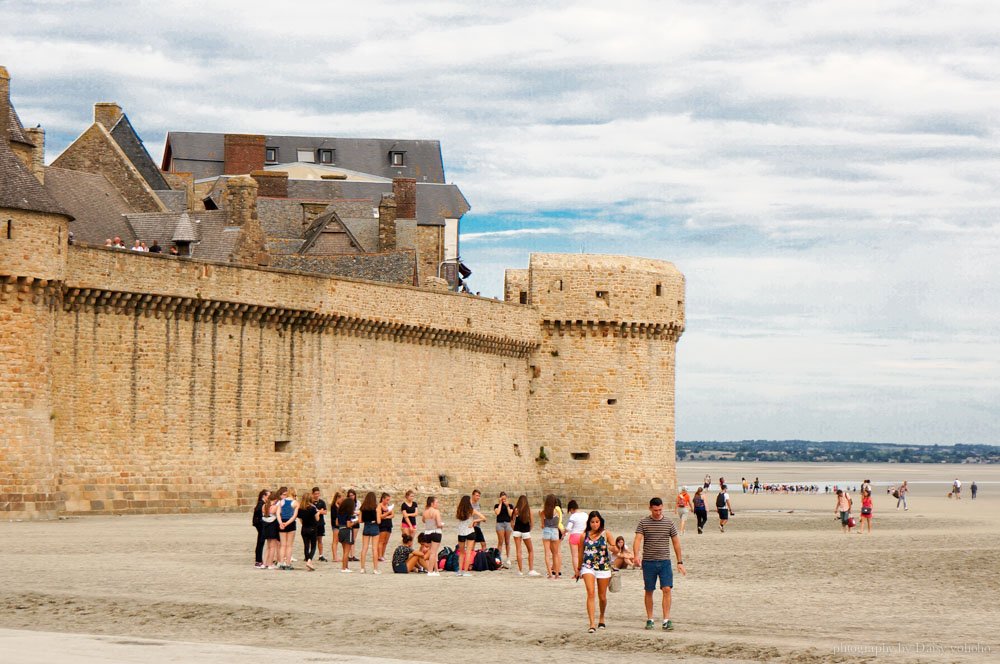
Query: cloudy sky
<point x="824" y="173"/>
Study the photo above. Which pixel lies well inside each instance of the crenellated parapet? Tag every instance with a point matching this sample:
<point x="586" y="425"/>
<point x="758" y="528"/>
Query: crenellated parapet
<point x="151" y="305"/>
<point x="619" y="329"/>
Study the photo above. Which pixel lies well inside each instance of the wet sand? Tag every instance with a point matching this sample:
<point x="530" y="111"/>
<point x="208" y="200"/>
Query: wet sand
<point x="782" y="584"/>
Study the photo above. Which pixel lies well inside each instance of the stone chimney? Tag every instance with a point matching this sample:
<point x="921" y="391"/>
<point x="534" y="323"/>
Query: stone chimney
<point x="108" y="113"/>
<point x="4" y="104"/>
<point x="271" y="184"/>
<point x="243" y="154"/>
<point x="387" y="223"/>
<point x="240" y="201"/>
<point x="405" y="191"/>
<point x="37" y="136"/>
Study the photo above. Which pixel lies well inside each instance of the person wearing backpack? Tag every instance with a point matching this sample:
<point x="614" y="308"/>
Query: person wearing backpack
<point x="288" y="512"/>
<point x="724" y="507"/>
<point x="700" y="509"/>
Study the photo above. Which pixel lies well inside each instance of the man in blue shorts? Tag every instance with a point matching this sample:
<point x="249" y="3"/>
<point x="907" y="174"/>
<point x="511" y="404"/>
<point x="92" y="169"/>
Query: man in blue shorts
<point x="653" y="537"/>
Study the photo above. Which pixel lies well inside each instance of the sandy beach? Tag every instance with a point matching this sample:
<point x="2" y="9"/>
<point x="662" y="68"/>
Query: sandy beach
<point x="782" y="584"/>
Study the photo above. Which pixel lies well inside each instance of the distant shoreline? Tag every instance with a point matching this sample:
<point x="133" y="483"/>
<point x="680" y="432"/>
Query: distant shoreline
<point x="807" y="451"/>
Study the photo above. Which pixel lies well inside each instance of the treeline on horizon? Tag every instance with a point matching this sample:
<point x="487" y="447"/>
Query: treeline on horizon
<point x="827" y="451"/>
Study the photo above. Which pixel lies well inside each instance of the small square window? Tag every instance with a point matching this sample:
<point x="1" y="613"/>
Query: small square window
<point x="282" y="445"/>
<point x="397" y="158"/>
<point x="305" y="156"/>
<point x="326" y="156"/>
<point x="271" y="155"/>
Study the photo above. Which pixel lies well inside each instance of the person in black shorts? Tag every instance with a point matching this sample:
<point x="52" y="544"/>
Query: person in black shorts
<point x="480" y="541"/>
<point x="321" y="511"/>
<point x="384" y="525"/>
<point x="345" y="533"/>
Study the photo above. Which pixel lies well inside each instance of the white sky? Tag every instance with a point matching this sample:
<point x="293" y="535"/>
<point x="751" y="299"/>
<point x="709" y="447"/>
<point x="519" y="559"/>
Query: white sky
<point x="824" y="173"/>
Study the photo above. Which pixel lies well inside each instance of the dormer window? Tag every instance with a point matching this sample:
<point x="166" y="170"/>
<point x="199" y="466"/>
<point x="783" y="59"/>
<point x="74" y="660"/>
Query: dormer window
<point x="305" y="156"/>
<point x="326" y="156"/>
<point x="397" y="158"/>
<point x="271" y="155"/>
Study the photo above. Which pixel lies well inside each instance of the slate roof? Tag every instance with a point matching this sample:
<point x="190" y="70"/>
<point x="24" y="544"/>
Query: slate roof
<point x="215" y="240"/>
<point x="397" y="267"/>
<point x="435" y="202"/>
<point x="16" y="129"/>
<point x="128" y="140"/>
<point x="176" y="201"/>
<point x="97" y="207"/>
<point x="19" y="190"/>
<point x="202" y="153"/>
<point x="326" y="223"/>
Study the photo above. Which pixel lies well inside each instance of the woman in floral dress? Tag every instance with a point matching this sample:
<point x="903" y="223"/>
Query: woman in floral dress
<point x="595" y="566"/>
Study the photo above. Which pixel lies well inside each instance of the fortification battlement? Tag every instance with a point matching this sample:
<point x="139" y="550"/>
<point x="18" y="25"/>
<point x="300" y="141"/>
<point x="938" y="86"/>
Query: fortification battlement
<point x="610" y="291"/>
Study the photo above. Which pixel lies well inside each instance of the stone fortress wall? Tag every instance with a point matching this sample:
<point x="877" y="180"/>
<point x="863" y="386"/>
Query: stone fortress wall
<point x="142" y="383"/>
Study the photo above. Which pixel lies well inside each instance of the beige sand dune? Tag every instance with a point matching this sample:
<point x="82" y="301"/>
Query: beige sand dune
<point x="782" y="584"/>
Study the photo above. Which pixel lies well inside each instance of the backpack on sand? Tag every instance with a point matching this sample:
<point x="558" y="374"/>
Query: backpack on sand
<point x="481" y="563"/>
<point x="493" y="558"/>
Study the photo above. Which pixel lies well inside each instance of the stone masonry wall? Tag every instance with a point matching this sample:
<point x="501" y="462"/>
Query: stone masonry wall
<point x="201" y="405"/>
<point x="606" y="367"/>
<point x="95" y="151"/>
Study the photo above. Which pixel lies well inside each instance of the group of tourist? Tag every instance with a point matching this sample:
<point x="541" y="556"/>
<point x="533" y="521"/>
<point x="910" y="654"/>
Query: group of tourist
<point x="138" y="245"/>
<point x="686" y="503"/>
<point x="595" y="552"/>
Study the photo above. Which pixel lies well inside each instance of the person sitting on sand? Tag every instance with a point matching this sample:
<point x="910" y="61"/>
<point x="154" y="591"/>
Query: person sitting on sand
<point x="622" y="557"/>
<point x="406" y="560"/>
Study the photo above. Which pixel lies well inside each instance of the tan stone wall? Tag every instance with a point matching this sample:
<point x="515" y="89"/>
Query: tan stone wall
<point x="193" y="400"/>
<point x="95" y="151"/>
<point x="603" y="379"/>
<point x="155" y="384"/>
<point x="430" y="250"/>
<point x="515" y="283"/>
<point x="32" y="259"/>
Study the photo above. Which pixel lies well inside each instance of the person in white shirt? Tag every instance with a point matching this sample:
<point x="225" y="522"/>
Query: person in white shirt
<point x="576" y="526"/>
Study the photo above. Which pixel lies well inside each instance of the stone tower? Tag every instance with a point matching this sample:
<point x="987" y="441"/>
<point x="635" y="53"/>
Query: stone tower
<point x="33" y="247"/>
<point x="601" y="395"/>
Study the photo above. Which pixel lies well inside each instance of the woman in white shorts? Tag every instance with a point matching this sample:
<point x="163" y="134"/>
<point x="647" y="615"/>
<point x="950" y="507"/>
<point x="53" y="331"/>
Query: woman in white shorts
<point x="522" y="535"/>
<point x="595" y="566"/>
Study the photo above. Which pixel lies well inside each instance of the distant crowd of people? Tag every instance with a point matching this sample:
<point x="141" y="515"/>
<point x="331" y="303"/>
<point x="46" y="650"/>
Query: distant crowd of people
<point x="138" y="245"/>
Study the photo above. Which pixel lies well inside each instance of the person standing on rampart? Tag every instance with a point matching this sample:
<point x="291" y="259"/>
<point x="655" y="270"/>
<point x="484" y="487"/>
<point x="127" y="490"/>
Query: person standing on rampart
<point x="653" y="537"/>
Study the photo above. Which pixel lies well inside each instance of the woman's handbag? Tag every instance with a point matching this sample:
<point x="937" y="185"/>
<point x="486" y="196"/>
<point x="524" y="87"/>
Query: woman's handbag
<point x="616" y="581"/>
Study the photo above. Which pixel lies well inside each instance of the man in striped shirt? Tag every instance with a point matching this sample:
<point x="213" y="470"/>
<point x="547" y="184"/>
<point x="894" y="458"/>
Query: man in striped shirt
<point x="653" y="537"/>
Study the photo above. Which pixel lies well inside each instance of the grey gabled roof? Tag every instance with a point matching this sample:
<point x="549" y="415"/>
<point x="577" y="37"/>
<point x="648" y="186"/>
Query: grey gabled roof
<point x="202" y="153"/>
<point x="19" y="189"/>
<point x="97" y="206"/>
<point x="128" y="140"/>
<point x="319" y="225"/>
